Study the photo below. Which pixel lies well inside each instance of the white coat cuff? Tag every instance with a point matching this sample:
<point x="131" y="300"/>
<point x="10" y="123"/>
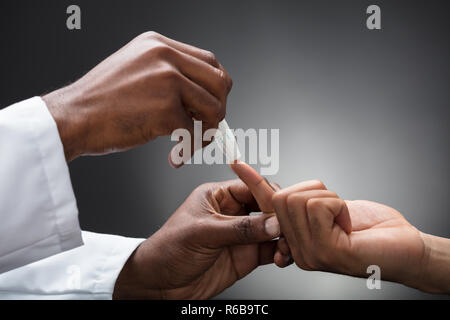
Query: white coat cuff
<point x="57" y="172"/>
<point x="87" y="272"/>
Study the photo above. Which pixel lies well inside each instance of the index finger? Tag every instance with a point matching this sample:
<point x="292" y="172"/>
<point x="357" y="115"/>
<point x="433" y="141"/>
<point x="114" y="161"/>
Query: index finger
<point x="259" y="186"/>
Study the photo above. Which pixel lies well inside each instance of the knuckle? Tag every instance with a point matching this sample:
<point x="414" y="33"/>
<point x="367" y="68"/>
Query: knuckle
<point x="243" y="229"/>
<point x="332" y="194"/>
<point x="161" y="50"/>
<point x="278" y="199"/>
<point x="314" y="204"/>
<point x="151" y="35"/>
<point x="294" y="200"/>
<point x="229" y="83"/>
<point x="222" y="75"/>
<point x="170" y="74"/>
<point x="210" y="57"/>
<point x="318" y="184"/>
<point x="223" y="78"/>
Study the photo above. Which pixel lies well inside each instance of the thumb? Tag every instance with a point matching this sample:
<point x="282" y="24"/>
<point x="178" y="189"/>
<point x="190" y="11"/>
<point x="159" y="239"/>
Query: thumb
<point x="260" y="188"/>
<point x="241" y="230"/>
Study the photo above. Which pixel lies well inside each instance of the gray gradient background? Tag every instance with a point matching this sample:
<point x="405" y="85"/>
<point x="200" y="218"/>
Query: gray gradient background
<point x="365" y="111"/>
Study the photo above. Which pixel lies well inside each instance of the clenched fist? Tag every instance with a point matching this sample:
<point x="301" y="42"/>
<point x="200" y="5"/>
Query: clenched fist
<point x="147" y="89"/>
<point x="311" y="217"/>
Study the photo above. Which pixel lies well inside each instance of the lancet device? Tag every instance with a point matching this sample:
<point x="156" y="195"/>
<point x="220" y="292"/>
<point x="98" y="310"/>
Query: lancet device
<point x="225" y="140"/>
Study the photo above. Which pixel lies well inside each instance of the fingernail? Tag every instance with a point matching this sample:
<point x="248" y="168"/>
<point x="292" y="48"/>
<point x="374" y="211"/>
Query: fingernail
<point x="272" y="227"/>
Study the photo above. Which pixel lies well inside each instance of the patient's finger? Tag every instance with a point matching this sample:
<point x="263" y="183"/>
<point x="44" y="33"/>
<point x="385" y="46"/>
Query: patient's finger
<point x="266" y="252"/>
<point x="260" y="187"/>
<point x="303" y="186"/>
<point x="282" y="260"/>
<point x="342" y="220"/>
<point x="283" y="246"/>
<point x="323" y="213"/>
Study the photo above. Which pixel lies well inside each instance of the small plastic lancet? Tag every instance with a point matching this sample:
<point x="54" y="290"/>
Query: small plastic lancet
<point x="226" y="142"/>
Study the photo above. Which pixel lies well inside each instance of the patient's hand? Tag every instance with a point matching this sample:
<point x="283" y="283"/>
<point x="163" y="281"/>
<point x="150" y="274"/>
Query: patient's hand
<point x="322" y="232"/>
<point x="379" y="235"/>
<point x="209" y="243"/>
<point x="264" y="193"/>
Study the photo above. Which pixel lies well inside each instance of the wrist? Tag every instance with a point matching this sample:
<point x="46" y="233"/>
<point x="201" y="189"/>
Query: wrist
<point x="136" y="279"/>
<point x="434" y="275"/>
<point x="64" y="108"/>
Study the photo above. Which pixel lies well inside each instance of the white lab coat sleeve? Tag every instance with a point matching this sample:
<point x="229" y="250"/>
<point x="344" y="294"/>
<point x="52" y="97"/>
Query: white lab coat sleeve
<point x="38" y="211"/>
<point x="87" y="272"/>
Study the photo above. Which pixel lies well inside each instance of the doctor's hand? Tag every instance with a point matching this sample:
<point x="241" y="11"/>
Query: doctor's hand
<point x="147" y="89"/>
<point x="378" y="235"/>
<point x="208" y="244"/>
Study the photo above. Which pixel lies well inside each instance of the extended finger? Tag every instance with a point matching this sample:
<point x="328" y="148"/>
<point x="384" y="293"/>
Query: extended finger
<point x="260" y="188"/>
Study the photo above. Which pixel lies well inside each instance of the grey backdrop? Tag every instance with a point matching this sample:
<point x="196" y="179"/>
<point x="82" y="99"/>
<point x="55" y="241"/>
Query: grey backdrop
<point x="365" y="111"/>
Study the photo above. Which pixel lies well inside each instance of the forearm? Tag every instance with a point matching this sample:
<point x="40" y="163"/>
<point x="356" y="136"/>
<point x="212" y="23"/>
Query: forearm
<point x="435" y="276"/>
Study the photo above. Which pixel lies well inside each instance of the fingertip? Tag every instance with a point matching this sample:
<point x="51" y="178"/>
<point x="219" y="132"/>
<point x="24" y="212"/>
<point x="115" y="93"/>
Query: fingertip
<point x="260" y="187"/>
<point x="281" y="260"/>
<point x="278" y="260"/>
<point x="283" y="246"/>
<point x="245" y="172"/>
<point x="237" y="166"/>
